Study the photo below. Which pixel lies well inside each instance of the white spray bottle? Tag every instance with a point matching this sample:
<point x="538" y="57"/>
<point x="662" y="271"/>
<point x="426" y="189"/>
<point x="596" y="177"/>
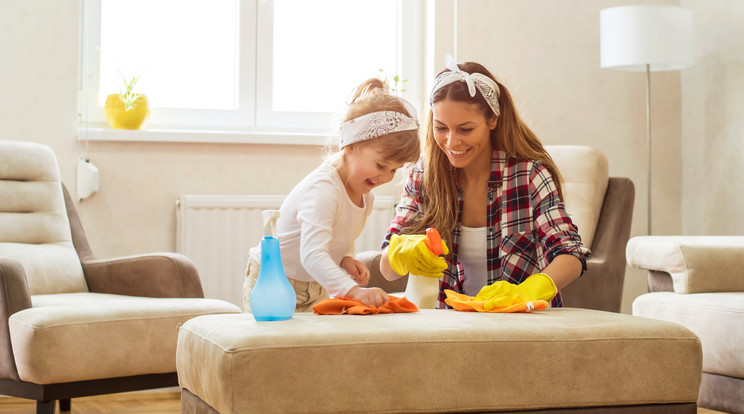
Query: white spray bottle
<point x="423" y="291"/>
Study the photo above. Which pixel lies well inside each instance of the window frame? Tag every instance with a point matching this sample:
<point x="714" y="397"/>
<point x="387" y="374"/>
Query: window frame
<point x="254" y="121"/>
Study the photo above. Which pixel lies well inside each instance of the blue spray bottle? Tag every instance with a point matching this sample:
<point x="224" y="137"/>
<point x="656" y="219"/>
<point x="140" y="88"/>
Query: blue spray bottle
<point x="272" y="298"/>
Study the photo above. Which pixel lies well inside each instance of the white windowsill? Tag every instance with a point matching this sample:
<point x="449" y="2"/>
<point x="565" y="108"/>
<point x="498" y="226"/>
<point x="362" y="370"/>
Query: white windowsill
<point x="202" y="136"/>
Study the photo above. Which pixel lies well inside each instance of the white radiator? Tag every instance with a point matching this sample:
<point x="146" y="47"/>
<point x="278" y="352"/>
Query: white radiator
<point x="216" y="232"/>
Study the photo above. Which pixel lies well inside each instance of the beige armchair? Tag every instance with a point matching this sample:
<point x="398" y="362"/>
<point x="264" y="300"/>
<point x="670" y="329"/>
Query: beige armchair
<point x="698" y="282"/>
<point x="72" y="325"/>
<point x="601" y="207"/>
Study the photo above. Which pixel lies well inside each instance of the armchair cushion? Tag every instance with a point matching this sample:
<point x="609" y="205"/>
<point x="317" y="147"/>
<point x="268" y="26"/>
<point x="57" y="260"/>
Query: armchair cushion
<point x="86" y="336"/>
<point x="585" y="174"/>
<point x="50" y="267"/>
<point x="711" y="316"/>
<point x="696" y="263"/>
<point x="34" y="229"/>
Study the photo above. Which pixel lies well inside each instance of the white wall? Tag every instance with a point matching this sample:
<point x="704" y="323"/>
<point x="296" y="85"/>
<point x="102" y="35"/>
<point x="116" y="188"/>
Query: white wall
<point x="713" y="122"/>
<point x="545" y="51"/>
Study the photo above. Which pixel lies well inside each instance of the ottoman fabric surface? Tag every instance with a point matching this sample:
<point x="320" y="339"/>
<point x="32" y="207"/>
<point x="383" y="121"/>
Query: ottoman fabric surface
<point x="437" y="361"/>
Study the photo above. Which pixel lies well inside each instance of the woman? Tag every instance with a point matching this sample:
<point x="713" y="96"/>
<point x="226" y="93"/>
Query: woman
<point x="486" y="182"/>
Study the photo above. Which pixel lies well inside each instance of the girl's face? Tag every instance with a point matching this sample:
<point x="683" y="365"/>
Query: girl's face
<point x="462" y="132"/>
<point x="366" y="168"/>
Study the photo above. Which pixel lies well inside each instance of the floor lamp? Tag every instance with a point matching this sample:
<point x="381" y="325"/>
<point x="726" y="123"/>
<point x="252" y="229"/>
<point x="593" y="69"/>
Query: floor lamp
<point x="646" y="38"/>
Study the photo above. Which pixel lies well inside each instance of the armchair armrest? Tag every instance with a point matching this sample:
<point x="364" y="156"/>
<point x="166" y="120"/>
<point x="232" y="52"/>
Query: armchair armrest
<point x="696" y="264"/>
<point x="14" y="296"/>
<point x="371" y="258"/>
<point x="162" y="275"/>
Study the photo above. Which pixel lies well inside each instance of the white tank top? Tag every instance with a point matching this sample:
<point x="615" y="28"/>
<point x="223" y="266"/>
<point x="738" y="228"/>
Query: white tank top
<point x="471" y="254"/>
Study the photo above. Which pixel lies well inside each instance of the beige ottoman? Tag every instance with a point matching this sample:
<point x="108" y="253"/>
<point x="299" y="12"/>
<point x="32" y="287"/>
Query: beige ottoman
<point x="438" y="361"/>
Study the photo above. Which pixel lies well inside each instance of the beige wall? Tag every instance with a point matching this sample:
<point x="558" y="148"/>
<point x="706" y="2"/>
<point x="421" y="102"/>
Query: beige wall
<point x="713" y="122"/>
<point x="546" y="52"/>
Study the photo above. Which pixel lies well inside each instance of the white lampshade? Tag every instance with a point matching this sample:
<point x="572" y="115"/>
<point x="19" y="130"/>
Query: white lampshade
<point x="633" y="36"/>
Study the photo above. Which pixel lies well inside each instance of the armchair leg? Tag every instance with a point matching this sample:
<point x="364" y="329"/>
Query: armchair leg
<point x="45" y="407"/>
<point x="65" y="404"/>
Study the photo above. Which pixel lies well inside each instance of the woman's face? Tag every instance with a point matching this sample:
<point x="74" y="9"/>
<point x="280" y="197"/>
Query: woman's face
<point x="462" y="132"/>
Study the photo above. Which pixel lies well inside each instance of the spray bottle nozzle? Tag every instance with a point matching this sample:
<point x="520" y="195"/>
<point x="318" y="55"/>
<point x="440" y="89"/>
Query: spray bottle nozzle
<point x="269" y="221"/>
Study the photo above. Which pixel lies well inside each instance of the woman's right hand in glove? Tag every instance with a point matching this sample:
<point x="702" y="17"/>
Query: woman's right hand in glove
<point x="411" y="254"/>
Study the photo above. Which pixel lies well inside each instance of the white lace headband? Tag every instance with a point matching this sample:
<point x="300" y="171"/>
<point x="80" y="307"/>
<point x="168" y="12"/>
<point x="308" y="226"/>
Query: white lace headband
<point x="377" y="124"/>
<point x="485" y="85"/>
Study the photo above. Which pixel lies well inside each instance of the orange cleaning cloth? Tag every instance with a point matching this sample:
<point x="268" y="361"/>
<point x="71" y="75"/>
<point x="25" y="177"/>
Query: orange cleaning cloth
<point x="340" y="306"/>
<point x="467" y="303"/>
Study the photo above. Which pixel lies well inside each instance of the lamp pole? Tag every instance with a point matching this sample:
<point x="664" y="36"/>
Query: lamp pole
<point x="646" y="38"/>
<point x="648" y="142"/>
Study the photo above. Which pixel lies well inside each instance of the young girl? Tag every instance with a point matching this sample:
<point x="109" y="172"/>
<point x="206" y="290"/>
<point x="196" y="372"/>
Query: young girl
<point x="326" y="211"/>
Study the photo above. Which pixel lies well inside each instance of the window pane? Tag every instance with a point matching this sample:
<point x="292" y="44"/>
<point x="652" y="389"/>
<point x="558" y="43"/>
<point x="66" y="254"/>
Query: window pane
<point x="185" y="52"/>
<point x="324" y="48"/>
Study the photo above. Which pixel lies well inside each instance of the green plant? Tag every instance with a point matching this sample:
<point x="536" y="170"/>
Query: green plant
<point x="397" y="82"/>
<point x="127" y="95"/>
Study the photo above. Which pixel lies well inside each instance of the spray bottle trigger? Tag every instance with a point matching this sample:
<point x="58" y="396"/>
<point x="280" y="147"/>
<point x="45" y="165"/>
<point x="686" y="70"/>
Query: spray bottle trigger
<point x="269" y="221"/>
<point x="433" y="241"/>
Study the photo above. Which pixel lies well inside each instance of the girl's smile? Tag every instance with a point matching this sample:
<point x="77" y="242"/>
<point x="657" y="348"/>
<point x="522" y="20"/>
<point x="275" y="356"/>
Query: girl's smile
<point x="366" y="169"/>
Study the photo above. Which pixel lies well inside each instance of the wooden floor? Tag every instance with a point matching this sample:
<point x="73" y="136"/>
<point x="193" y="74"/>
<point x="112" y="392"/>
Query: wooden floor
<point x="139" y="403"/>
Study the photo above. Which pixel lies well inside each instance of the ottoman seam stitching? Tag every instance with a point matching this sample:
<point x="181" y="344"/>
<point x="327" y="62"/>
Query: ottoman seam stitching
<point x="267" y="348"/>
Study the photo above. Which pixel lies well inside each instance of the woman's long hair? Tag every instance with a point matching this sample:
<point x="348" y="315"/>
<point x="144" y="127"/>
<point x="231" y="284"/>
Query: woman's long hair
<point x="511" y="135"/>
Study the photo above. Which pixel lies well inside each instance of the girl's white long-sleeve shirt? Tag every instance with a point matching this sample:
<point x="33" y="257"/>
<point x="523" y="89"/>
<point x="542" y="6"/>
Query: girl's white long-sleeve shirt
<point x="317" y="226"/>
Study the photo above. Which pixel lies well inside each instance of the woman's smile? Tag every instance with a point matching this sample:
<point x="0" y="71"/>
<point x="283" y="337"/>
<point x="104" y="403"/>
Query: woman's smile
<point x="458" y="154"/>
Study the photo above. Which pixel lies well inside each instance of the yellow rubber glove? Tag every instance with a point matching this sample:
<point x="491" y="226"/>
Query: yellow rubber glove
<point x="499" y="293"/>
<point x="502" y="293"/>
<point x="410" y="254"/>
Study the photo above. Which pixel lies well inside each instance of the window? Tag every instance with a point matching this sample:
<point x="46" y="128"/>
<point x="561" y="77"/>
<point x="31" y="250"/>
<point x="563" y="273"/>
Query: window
<point x="246" y="66"/>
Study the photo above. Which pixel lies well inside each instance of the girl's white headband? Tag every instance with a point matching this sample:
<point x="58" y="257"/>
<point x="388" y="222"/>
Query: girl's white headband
<point x="377" y="124"/>
<point x="485" y="85"/>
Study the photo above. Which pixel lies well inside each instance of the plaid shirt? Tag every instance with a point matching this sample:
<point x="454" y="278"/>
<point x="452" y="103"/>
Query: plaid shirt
<point x="527" y="224"/>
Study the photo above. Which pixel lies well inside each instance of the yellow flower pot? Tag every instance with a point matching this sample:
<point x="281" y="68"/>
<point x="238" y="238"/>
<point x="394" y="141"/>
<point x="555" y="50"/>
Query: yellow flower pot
<point x="118" y="116"/>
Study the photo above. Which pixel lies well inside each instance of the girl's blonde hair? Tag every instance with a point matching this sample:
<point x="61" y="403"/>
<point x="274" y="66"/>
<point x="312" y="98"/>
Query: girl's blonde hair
<point x="371" y="96"/>
<point x="511" y="135"/>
